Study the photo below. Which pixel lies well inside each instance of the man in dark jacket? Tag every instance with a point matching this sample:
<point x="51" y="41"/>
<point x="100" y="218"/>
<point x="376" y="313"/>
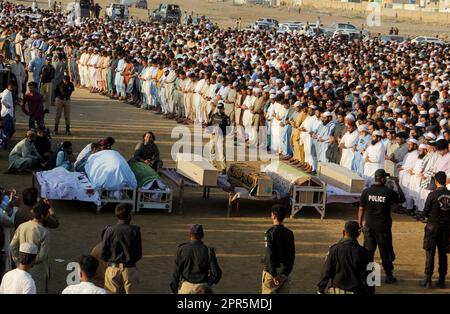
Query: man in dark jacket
<point x="280" y="255"/>
<point x="122" y="249"/>
<point x="195" y="265"/>
<point x="346" y="265"/>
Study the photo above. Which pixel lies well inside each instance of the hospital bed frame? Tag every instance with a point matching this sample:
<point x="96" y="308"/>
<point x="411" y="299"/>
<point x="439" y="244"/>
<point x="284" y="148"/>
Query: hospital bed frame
<point x="128" y="197"/>
<point x="145" y="200"/>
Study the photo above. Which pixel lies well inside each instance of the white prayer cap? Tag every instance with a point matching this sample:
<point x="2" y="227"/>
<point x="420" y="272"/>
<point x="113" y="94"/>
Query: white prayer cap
<point x="420" y="124"/>
<point x="287" y="92"/>
<point x="423" y="112"/>
<point x="29" y="248"/>
<point x="257" y="90"/>
<point x="443" y="122"/>
<point x="430" y="135"/>
<point x="297" y="104"/>
<point x="401" y="120"/>
<point x="327" y="114"/>
<point x="305" y="90"/>
<point x="285" y="88"/>
<point x="397" y="110"/>
<point x="376" y="132"/>
<point x="279" y="92"/>
<point x="272" y="96"/>
<point x="389" y="94"/>
<point x="379" y="108"/>
<point x="422" y="146"/>
<point x="363" y="127"/>
<point x="235" y="84"/>
<point x="350" y="117"/>
<point x="413" y="140"/>
<point x="432" y="110"/>
<point x="278" y="81"/>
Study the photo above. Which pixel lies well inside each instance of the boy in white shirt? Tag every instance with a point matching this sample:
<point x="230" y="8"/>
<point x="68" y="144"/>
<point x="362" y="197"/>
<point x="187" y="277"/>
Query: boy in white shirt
<point x="19" y="281"/>
<point x="88" y="269"/>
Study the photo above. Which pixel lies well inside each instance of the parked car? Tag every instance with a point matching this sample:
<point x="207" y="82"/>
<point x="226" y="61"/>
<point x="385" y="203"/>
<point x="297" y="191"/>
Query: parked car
<point x="264" y="26"/>
<point x="141" y="4"/>
<point x="117" y="11"/>
<point x="290" y="27"/>
<point x="268" y="21"/>
<point x="350" y="35"/>
<point x="166" y="13"/>
<point x="343" y="27"/>
<point x="427" y="40"/>
<point x="396" y="38"/>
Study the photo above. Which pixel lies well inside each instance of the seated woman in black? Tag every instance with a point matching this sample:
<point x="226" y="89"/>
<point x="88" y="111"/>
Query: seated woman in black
<point x="147" y="152"/>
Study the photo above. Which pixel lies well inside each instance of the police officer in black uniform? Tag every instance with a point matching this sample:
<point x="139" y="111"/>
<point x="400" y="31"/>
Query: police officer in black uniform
<point x="196" y="265"/>
<point x="219" y="122"/>
<point x="346" y="265"/>
<point x="280" y="254"/>
<point x="376" y="203"/>
<point x="437" y="210"/>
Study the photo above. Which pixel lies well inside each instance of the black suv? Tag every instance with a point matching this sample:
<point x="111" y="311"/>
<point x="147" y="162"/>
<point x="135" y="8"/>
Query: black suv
<point x="166" y="13"/>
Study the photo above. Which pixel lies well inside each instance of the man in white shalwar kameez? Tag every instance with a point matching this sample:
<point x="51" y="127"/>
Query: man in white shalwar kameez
<point x="427" y="176"/>
<point x="416" y="175"/>
<point x="373" y="157"/>
<point x="347" y="142"/>
<point x="197" y="98"/>
<point x="118" y="81"/>
<point x="247" y="117"/>
<point x="404" y="175"/>
<point x="92" y="69"/>
<point x="305" y="136"/>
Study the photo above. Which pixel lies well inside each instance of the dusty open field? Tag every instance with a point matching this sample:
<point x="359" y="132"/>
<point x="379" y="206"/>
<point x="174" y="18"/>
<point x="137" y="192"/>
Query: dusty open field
<point x="238" y="240"/>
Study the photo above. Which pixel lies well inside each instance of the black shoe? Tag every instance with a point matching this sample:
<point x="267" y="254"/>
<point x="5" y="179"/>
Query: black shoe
<point x="440" y="283"/>
<point x="426" y="283"/>
<point x="390" y="279"/>
<point x="46" y="111"/>
<point x="68" y="133"/>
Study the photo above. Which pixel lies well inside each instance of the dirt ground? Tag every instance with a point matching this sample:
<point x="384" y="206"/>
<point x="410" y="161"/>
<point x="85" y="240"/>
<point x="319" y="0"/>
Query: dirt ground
<point x="238" y="240"/>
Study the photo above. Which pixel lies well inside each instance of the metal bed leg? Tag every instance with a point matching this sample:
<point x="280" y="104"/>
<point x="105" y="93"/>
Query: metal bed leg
<point x="230" y="203"/>
<point x="180" y="206"/>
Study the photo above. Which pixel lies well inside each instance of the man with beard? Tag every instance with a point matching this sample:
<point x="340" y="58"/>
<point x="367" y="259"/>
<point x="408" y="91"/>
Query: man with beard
<point x="437" y="210"/>
<point x="373" y="157"/>
<point x="299" y="155"/>
<point x="346" y="144"/>
<point x="416" y="176"/>
<point x="339" y="130"/>
<point x="375" y="206"/>
<point x="405" y="171"/>
<point x="323" y="136"/>
<point x="305" y="137"/>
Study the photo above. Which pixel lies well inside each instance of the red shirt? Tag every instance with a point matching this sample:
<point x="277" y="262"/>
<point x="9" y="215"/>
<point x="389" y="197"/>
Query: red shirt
<point x="35" y="104"/>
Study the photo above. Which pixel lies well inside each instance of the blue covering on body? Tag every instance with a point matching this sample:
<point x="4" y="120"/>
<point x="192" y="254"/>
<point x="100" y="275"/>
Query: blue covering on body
<point x="110" y="171"/>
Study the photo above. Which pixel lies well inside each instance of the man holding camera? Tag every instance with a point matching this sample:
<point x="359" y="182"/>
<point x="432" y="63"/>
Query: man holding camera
<point x="376" y="205"/>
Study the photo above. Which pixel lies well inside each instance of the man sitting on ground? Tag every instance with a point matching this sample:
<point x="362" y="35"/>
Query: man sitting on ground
<point x="64" y="157"/>
<point x="24" y="156"/>
<point x="88" y="269"/>
<point x="43" y="145"/>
